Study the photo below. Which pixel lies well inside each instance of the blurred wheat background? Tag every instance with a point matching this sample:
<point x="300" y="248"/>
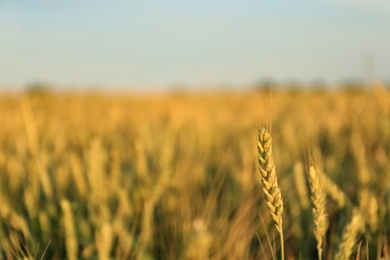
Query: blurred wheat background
<point x="89" y="176"/>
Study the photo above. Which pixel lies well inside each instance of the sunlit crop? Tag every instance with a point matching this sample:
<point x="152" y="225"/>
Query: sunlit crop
<point x="176" y="176"/>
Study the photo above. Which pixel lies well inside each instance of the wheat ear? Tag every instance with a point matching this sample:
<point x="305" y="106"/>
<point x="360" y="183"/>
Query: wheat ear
<point x="301" y="186"/>
<point x="70" y="230"/>
<point x="318" y="198"/>
<point x="368" y="205"/>
<point x="333" y="191"/>
<point x="350" y="235"/>
<point x="271" y="189"/>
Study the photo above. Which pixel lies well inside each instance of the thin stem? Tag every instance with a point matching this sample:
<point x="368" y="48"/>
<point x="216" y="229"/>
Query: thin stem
<point x="281" y="244"/>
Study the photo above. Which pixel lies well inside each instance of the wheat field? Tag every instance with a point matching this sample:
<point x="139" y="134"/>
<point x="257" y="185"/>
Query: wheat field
<point x="177" y="176"/>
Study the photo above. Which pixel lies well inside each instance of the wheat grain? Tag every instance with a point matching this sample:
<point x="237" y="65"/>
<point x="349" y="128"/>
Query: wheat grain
<point x="350" y="235"/>
<point x="359" y="153"/>
<point x="300" y="182"/>
<point x="78" y="175"/>
<point x="199" y="246"/>
<point x="318" y="198"/>
<point x="372" y="212"/>
<point x="104" y="241"/>
<point x="271" y="189"/>
<point x="368" y="204"/>
<point x="333" y="191"/>
<point x="70" y="230"/>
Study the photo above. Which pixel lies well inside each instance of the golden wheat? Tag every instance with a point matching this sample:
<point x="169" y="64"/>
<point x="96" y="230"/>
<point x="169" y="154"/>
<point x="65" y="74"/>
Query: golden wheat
<point x="135" y="172"/>
<point x="318" y="198"/>
<point x="104" y="241"/>
<point x="368" y="204"/>
<point x="333" y="191"/>
<point x="301" y="185"/>
<point x="269" y="179"/>
<point x="350" y="236"/>
<point x="70" y="231"/>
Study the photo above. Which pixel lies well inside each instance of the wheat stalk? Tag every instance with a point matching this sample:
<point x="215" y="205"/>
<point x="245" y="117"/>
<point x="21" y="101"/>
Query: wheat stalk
<point x="351" y="232"/>
<point x="318" y="198"/>
<point x="271" y="189"/>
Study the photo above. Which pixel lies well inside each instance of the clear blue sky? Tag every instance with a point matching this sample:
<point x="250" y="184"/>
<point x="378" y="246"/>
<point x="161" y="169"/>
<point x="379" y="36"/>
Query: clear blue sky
<point x="159" y="43"/>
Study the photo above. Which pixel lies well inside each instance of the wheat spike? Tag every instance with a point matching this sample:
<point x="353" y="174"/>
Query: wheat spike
<point x="300" y="182"/>
<point x="104" y="241"/>
<point x="318" y="198"/>
<point x="350" y="235"/>
<point x="271" y="189"/>
<point x="77" y="172"/>
<point x="373" y="208"/>
<point x="200" y="241"/>
<point x="368" y="204"/>
<point x="359" y="153"/>
<point x="70" y="230"/>
<point x="333" y="191"/>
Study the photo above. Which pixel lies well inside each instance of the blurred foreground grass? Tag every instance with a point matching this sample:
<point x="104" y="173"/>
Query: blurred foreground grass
<point x="176" y="176"/>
